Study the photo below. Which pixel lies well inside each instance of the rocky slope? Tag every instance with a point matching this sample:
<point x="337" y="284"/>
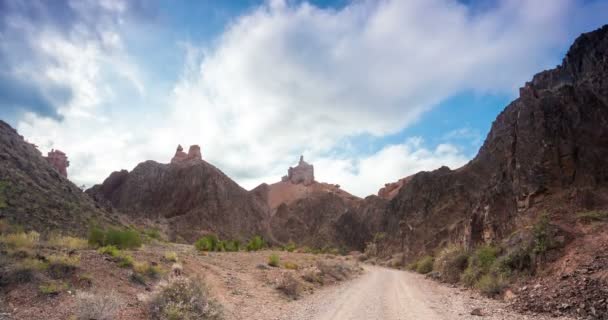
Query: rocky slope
<point x="189" y="197"/>
<point x="546" y="152"/>
<point x="35" y="195"/>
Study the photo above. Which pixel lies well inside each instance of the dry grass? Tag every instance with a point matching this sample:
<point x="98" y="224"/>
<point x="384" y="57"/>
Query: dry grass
<point x="171" y="256"/>
<point x="68" y="242"/>
<point x="290" y="286"/>
<point x="61" y="266"/>
<point x="96" y="306"/>
<point x="182" y="298"/>
<point x="20" y="240"/>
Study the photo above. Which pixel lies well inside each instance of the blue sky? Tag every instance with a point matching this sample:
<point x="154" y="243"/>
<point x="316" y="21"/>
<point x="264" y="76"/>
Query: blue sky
<point x="369" y="91"/>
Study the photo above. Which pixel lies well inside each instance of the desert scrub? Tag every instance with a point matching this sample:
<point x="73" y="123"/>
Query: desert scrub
<point x="451" y="262"/>
<point x="290" y="265"/>
<point x="425" y="265"/>
<point x="124" y="260"/>
<point x="109" y="250"/>
<point x="490" y="284"/>
<point x="144" y="268"/>
<point x="290" y="247"/>
<point x="290" y="286"/>
<point x="52" y="287"/>
<point x="232" y="245"/>
<point x="592" y="216"/>
<point x="67" y="242"/>
<point x="183" y="298"/>
<point x="480" y="263"/>
<point x="256" y="243"/>
<point x="61" y="266"/>
<point x="20" y="240"/>
<point x="100" y="306"/>
<point x="153" y="234"/>
<point x="207" y="243"/>
<point x="171" y="256"/>
<point x="122" y="239"/>
<point x="273" y="260"/>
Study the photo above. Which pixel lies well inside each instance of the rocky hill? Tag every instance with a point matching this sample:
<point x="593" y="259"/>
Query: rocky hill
<point x="36" y="195"/>
<point x="189" y="196"/>
<point x="545" y="153"/>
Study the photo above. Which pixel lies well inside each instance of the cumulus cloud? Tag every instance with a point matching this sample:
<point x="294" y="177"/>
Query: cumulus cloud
<point x="291" y="78"/>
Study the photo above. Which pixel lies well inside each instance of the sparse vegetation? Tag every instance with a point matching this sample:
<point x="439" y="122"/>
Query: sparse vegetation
<point x="593" y="216"/>
<point x="424" y="265"/>
<point x="3" y="185"/>
<point x="290" y="266"/>
<point x="290" y="286"/>
<point x="479" y="264"/>
<point x="451" y="262"/>
<point x="124" y="260"/>
<point x="183" y="298"/>
<point x="153" y="234"/>
<point x="109" y="250"/>
<point x="256" y="243"/>
<point x="61" y="266"/>
<point x="207" y="243"/>
<point x="232" y="245"/>
<point x="52" y="287"/>
<point x="101" y="306"/>
<point x="122" y="239"/>
<point x="171" y="256"/>
<point x="542" y="237"/>
<point x="290" y="247"/>
<point x="67" y="242"/>
<point x="491" y="284"/>
<point x="274" y="260"/>
<point x="144" y="268"/>
<point x="20" y="240"/>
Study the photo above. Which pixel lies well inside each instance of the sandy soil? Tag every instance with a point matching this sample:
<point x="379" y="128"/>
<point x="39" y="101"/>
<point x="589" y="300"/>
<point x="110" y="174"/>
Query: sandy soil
<point x="389" y="294"/>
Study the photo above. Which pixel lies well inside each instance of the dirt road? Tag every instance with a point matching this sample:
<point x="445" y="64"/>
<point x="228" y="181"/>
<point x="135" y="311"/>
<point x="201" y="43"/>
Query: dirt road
<point x="392" y="294"/>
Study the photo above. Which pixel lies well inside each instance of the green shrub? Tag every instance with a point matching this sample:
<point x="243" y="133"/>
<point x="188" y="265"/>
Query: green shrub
<point x="290" y="247"/>
<point x="232" y="245"/>
<point x="143" y="268"/>
<point x="594" y="215"/>
<point x="542" y="238"/>
<point x="451" y="262"/>
<point x="273" y="260"/>
<point x="483" y="257"/>
<point x="96" y="237"/>
<point x="125" y="261"/>
<point x="110" y="250"/>
<point x="52" y="287"/>
<point x="425" y="265"/>
<point x="183" y="299"/>
<point x="470" y="275"/>
<point x="256" y="243"/>
<point x="207" y="243"/>
<point x="490" y="284"/>
<point x="123" y="239"/>
<point x="153" y="234"/>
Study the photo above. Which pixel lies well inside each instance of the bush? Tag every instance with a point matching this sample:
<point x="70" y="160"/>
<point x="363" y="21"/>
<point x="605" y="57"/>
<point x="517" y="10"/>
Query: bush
<point x="146" y="269"/>
<point x="62" y="266"/>
<point x="20" y="240"/>
<point x="153" y="234"/>
<point x="256" y="243"/>
<point x="68" y="242"/>
<point x="290" y="286"/>
<point x="171" y="256"/>
<point x="207" y="243"/>
<point x="183" y="298"/>
<point x="290" y="247"/>
<point x="122" y="239"/>
<point x="490" y="284"/>
<point x="52" y="287"/>
<point x="483" y="257"/>
<point x="124" y="261"/>
<point x="96" y="306"/>
<point x="273" y="260"/>
<point x="450" y="263"/>
<point x="110" y="250"/>
<point x="232" y="246"/>
<point x="290" y="266"/>
<point x="424" y="265"/>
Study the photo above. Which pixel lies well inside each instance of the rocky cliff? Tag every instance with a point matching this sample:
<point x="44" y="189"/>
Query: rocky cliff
<point x="35" y="195"/>
<point x="546" y="152"/>
<point x="191" y="197"/>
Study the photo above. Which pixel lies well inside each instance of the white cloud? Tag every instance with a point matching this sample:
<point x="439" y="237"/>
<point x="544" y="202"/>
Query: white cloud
<point x="288" y="79"/>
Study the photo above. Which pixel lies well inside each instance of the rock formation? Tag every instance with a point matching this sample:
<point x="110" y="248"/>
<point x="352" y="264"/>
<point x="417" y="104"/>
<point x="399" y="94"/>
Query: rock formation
<point x="191" y="200"/>
<point x="303" y="173"/>
<point x="193" y="155"/>
<point x="35" y="193"/>
<point x="59" y="161"/>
